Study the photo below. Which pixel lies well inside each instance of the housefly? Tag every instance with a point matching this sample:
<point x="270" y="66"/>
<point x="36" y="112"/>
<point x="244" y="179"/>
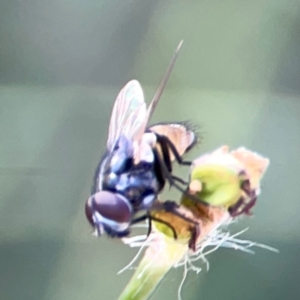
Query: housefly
<point x="137" y="162"/>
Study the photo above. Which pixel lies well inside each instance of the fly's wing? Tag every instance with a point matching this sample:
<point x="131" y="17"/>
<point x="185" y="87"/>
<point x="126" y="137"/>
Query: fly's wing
<point x="159" y="92"/>
<point x="180" y="134"/>
<point x="128" y="114"/>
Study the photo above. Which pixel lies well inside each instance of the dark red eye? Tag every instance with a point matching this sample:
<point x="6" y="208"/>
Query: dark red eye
<point x="89" y="211"/>
<point x="109" y="205"/>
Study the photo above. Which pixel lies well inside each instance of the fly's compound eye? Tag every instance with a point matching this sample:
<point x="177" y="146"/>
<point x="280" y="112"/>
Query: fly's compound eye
<point x="88" y="211"/>
<point x="108" y="208"/>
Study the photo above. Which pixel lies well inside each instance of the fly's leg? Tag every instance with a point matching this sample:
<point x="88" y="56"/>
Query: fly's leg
<point x="172" y="182"/>
<point x="141" y="219"/>
<point x="244" y="205"/>
<point x="167" y="159"/>
<point x="172" y="207"/>
<point x="179" y="180"/>
<point x="152" y="218"/>
<point x="165" y="140"/>
<point x="166" y="168"/>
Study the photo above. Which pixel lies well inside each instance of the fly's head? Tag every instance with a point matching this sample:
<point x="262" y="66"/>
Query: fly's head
<point x="109" y="213"/>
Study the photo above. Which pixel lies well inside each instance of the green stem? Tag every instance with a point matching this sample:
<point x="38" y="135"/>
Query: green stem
<point x="157" y="261"/>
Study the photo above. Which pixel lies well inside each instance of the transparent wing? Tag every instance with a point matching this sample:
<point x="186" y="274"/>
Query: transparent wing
<point x="159" y="92"/>
<point x="128" y="114"/>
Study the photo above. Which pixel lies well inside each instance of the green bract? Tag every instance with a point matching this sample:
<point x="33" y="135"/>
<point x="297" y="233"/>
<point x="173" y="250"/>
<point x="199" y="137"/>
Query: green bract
<point x="220" y="185"/>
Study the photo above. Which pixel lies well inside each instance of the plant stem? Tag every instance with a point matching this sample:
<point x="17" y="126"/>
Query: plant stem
<point x="159" y="258"/>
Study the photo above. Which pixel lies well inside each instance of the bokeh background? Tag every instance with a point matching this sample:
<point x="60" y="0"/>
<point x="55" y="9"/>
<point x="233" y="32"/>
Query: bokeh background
<point x="62" y="63"/>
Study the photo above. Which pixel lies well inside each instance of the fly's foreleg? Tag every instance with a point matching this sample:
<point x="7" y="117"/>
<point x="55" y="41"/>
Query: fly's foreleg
<point x="165" y="140"/>
<point x="194" y="227"/>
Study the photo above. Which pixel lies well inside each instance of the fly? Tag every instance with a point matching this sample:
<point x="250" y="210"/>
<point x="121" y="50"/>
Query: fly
<point x="138" y="161"/>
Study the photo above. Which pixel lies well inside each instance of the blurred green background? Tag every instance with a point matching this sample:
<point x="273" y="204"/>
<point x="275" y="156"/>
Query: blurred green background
<point x="62" y="64"/>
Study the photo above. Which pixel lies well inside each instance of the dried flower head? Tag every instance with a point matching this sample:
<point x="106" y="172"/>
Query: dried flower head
<point x="227" y="184"/>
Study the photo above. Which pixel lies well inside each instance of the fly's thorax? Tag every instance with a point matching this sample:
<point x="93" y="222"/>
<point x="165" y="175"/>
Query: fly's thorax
<point x="119" y="174"/>
<point x="109" y="212"/>
<point x="139" y="186"/>
<point x="120" y="159"/>
<point x="116" y="162"/>
<point x="149" y="138"/>
<point x="143" y="151"/>
<point x="135" y="179"/>
<point x="148" y="201"/>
